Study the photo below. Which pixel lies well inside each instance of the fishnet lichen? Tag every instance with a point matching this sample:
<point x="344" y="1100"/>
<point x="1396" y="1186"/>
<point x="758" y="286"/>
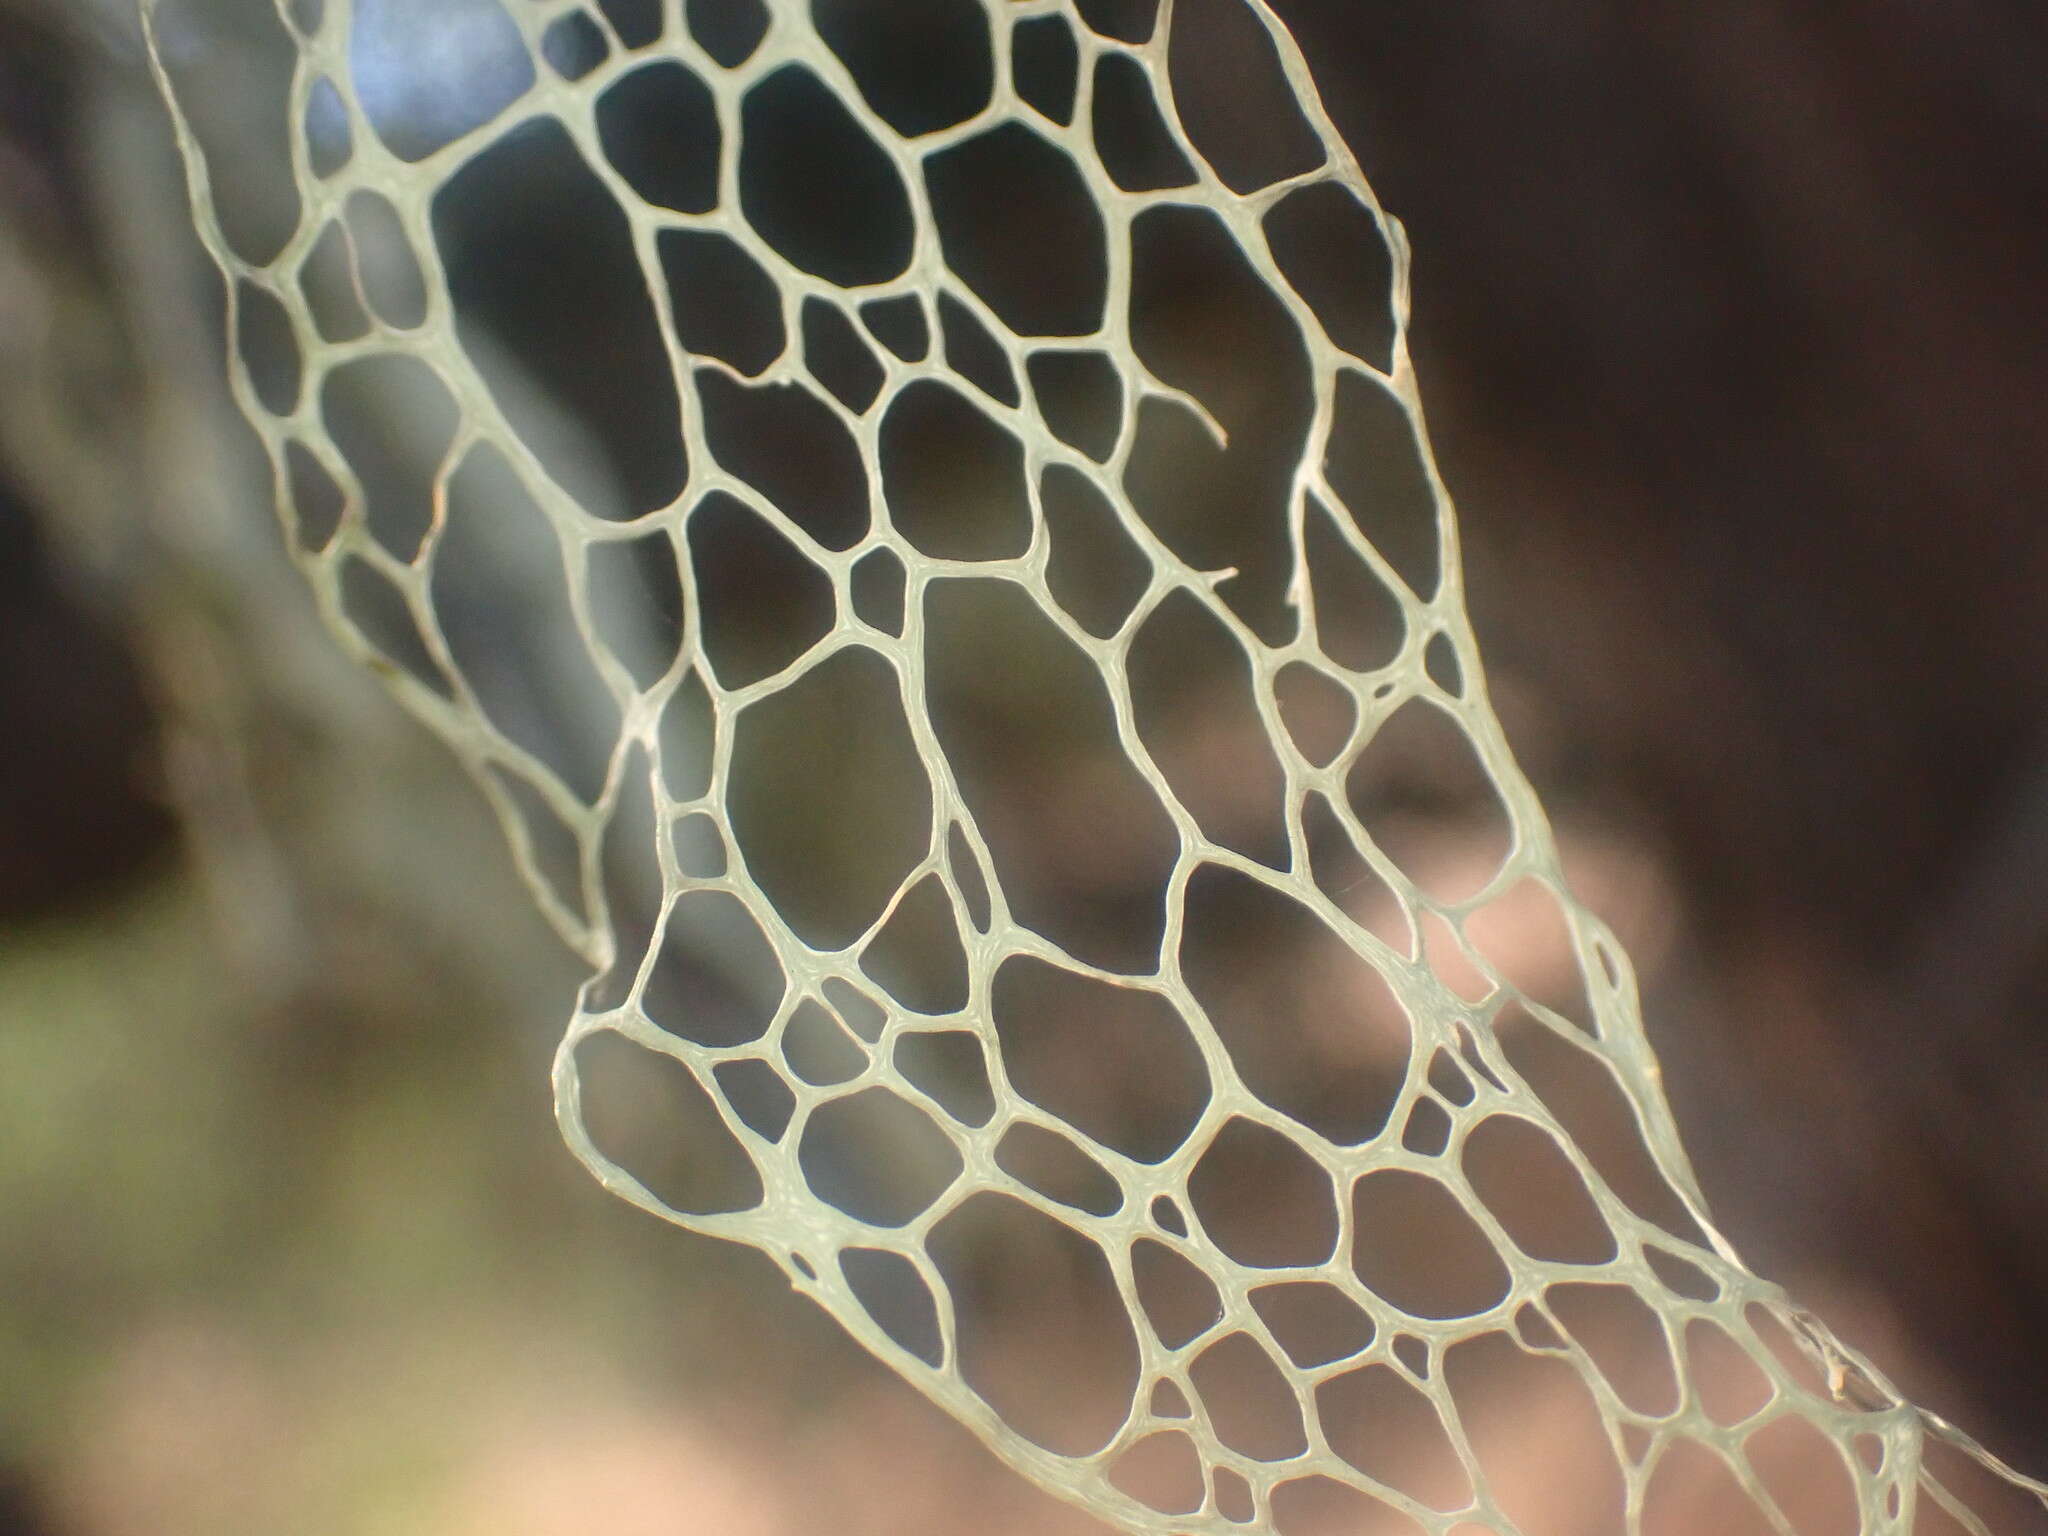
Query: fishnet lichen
<point x="862" y="1172"/>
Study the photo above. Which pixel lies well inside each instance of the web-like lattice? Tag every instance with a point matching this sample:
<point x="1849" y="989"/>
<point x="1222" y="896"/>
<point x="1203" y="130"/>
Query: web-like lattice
<point x="893" y="471"/>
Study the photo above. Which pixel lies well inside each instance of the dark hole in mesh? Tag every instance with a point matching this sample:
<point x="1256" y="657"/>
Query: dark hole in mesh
<point x="687" y="725"/>
<point x="1493" y="1381"/>
<point x="836" y="356"/>
<point x="528" y="217"/>
<point x="1096" y="571"/>
<point x="1725" y="1375"/>
<point x="728" y="30"/>
<point x="1428" y="1130"/>
<point x="1128" y="21"/>
<point x="1251" y="1407"/>
<point x="1215" y="512"/>
<point x="1535" y="1330"/>
<point x="1413" y="1354"/>
<point x="1619" y="1330"/>
<point x="1162" y="1471"/>
<point x="1317" y="713"/>
<point x="1178" y="1300"/>
<point x="1691" y="1482"/>
<point x="953" y="477"/>
<point x="393" y="419"/>
<point x="876" y="585"/>
<point x="1114" y="1063"/>
<point x="638" y="22"/>
<point x="1382" y="1424"/>
<point x="921" y="64"/>
<point x="381" y="615"/>
<point x="1234" y="1499"/>
<point x="647" y="1112"/>
<point x="1132" y="138"/>
<point x="725" y="305"/>
<point x="269" y="350"/>
<point x="632" y="882"/>
<point x="1359" y="622"/>
<point x="700" y="848"/>
<point x="876" y="1157"/>
<point x="1352" y="885"/>
<point x="1332" y="252"/>
<point x="726" y="1007"/>
<point x="1263" y="1200"/>
<point x="1681" y="1277"/>
<point x="1059" y="1170"/>
<point x="1339" y="1071"/>
<point x="1422" y="792"/>
<point x="899" y="324"/>
<point x="316" y="500"/>
<point x="555" y="854"/>
<point x="1202" y="319"/>
<point x="917" y="957"/>
<point x="1449" y="1079"/>
<point x="1017" y="223"/>
<point x="573" y="46"/>
<point x="863" y="1015"/>
<point x="762" y="603"/>
<point x="1416" y="1246"/>
<point x="1522" y="1176"/>
<point x="501" y="593"/>
<point x="1440" y="661"/>
<point x="758" y="1095"/>
<point x="1375" y="465"/>
<point x="894" y="1294"/>
<point x="327" y="279"/>
<point x="1313" y="1506"/>
<point x="1081" y="398"/>
<point x="1168" y="1216"/>
<point x="1233" y="100"/>
<point x="817" y="187"/>
<point x="1043" y="1335"/>
<point x="1198" y="716"/>
<point x="974" y="354"/>
<point x="1312" y="1322"/>
<point x="828" y="797"/>
<point x="390" y="272"/>
<point x="1595" y="1113"/>
<point x="233" y="84"/>
<point x="791" y="447"/>
<point x="328" y="146"/>
<point x="1524" y="934"/>
<point x="1017" y="706"/>
<point x="636" y="602"/>
<point x="948" y="1065"/>
<point x="1043" y="61"/>
<point x="659" y="128"/>
<point x="818" y="1048"/>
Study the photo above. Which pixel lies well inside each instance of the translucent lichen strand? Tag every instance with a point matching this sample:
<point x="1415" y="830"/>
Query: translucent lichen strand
<point x="861" y="1171"/>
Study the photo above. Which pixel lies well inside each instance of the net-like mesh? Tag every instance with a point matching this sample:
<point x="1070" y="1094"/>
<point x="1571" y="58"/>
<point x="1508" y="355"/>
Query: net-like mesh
<point x="882" y="499"/>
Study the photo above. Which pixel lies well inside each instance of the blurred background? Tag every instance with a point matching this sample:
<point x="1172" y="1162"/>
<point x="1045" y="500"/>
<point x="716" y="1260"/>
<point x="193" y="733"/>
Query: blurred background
<point x="1729" y="328"/>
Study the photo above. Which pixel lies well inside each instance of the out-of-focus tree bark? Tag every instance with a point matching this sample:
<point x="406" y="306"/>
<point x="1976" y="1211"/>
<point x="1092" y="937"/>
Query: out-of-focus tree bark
<point x="1729" y="322"/>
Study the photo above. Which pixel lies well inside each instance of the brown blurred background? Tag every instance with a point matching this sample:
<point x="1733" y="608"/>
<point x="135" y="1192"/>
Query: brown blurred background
<point x="1729" y="326"/>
